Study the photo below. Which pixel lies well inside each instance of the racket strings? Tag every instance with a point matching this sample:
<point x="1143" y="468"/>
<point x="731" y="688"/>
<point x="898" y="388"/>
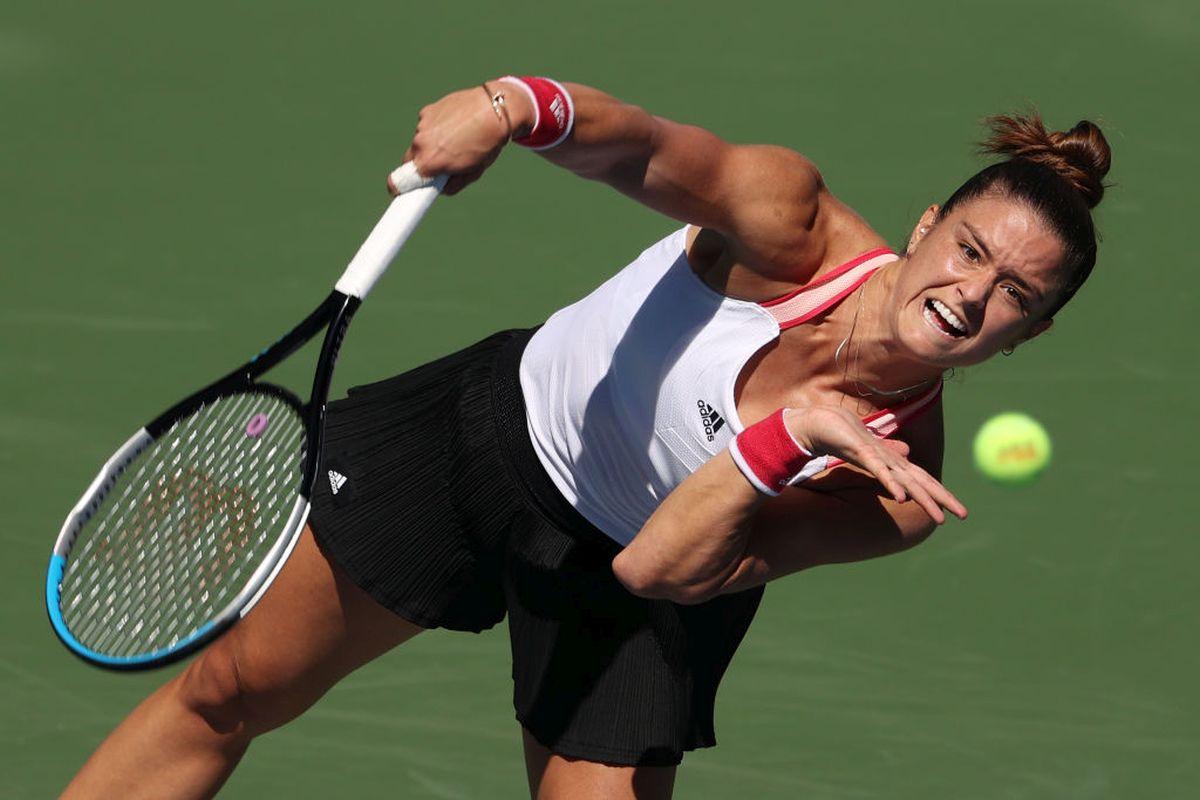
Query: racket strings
<point x="183" y="528"/>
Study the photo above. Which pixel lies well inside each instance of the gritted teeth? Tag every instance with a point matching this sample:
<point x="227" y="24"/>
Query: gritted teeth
<point x="949" y="316"/>
<point x="950" y="321"/>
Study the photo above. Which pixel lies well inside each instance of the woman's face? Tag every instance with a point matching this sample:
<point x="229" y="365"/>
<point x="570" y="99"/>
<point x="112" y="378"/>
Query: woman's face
<point x="975" y="282"/>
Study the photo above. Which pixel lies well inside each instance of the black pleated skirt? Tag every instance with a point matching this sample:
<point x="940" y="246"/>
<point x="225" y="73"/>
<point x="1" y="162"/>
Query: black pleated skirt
<point x="443" y="514"/>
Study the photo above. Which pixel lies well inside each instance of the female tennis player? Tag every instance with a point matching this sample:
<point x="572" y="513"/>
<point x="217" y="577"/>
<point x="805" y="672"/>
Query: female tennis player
<point x="756" y="394"/>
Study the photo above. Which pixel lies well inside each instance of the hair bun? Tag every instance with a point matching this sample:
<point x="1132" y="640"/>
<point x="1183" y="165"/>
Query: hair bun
<point x="1081" y="156"/>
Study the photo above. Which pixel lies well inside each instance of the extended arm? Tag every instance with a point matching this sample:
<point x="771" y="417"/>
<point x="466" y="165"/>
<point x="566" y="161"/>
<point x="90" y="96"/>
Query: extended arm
<point x="716" y="534"/>
<point x="764" y="199"/>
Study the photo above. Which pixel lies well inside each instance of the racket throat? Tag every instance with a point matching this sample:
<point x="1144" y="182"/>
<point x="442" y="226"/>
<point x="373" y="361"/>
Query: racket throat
<point x="342" y="308"/>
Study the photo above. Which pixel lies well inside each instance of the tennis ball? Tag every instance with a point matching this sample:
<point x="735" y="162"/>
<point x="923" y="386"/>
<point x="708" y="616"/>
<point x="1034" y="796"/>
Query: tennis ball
<point x="1012" y="448"/>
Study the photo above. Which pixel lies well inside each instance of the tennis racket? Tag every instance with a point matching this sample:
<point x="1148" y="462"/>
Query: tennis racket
<point x="184" y="528"/>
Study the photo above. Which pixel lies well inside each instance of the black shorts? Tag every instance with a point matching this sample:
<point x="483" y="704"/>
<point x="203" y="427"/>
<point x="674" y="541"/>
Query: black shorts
<point x="446" y="517"/>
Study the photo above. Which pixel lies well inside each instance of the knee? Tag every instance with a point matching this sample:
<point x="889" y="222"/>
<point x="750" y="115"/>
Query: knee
<point x="219" y="688"/>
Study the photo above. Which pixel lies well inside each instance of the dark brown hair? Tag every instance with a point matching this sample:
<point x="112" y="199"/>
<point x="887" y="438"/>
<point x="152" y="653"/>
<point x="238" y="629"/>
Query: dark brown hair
<point x="1060" y="174"/>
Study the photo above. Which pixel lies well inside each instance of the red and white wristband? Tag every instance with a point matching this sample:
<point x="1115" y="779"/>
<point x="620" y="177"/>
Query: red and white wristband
<point x="554" y="111"/>
<point x="770" y="458"/>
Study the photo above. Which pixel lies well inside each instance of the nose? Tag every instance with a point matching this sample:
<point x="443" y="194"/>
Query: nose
<point x="974" y="289"/>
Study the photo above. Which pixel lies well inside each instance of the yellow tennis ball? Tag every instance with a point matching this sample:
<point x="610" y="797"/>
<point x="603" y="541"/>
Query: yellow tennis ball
<point x="1012" y="448"/>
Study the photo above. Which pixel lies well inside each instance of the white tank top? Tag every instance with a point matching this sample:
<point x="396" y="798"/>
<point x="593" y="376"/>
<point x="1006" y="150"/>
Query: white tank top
<point x="631" y="389"/>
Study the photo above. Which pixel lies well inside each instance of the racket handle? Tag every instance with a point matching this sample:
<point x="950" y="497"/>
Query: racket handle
<point x="414" y="195"/>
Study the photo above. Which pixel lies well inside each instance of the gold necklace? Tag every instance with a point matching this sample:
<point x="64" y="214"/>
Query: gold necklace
<point x="859" y="385"/>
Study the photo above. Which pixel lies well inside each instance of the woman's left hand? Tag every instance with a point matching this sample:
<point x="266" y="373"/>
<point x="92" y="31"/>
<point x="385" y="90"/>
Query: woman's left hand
<point x="835" y="431"/>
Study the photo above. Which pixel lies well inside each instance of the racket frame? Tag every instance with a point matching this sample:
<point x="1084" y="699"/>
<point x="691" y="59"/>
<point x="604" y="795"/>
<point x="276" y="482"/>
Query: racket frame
<point x="414" y="195"/>
<point x="333" y="315"/>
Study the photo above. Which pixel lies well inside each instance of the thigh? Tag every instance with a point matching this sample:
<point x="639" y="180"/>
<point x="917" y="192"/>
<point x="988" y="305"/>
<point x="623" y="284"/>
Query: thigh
<point x="553" y="777"/>
<point x="312" y="627"/>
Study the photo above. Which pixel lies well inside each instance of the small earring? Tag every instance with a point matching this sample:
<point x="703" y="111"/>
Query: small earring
<point x="1008" y="351"/>
<point x="924" y="230"/>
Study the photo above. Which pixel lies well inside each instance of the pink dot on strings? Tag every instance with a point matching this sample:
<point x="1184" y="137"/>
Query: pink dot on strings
<point x="256" y="425"/>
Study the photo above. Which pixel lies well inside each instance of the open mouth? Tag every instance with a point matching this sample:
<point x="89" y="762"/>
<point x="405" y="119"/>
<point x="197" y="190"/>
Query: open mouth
<point x="939" y="315"/>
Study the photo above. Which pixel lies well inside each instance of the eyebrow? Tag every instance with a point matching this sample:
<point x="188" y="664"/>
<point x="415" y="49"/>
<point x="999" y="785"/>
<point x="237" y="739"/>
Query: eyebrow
<point x="1038" y="295"/>
<point x="978" y="239"/>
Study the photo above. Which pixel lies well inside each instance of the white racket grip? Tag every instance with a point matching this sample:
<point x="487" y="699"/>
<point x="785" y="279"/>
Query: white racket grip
<point x="414" y="195"/>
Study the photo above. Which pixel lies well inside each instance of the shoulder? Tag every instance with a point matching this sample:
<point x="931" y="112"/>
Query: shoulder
<point x="786" y="226"/>
<point x="776" y="197"/>
<point x="777" y="172"/>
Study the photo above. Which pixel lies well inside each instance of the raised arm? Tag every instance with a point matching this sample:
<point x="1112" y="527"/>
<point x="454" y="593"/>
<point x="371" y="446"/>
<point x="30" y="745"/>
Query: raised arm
<point x="764" y="199"/>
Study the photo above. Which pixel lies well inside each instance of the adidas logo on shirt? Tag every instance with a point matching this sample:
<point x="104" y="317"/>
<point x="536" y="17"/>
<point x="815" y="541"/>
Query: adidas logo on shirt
<point x="711" y="420"/>
<point x="336" y="480"/>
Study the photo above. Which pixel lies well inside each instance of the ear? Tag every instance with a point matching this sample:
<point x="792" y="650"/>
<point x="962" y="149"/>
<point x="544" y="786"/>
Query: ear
<point x="923" y="227"/>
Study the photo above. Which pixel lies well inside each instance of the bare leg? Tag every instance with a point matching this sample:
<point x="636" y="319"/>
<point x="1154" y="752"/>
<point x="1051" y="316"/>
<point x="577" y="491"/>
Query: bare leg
<point x="552" y="777"/>
<point x="311" y="628"/>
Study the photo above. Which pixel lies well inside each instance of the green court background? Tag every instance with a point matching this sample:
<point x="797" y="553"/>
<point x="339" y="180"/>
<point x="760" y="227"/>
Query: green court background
<point x="180" y="181"/>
